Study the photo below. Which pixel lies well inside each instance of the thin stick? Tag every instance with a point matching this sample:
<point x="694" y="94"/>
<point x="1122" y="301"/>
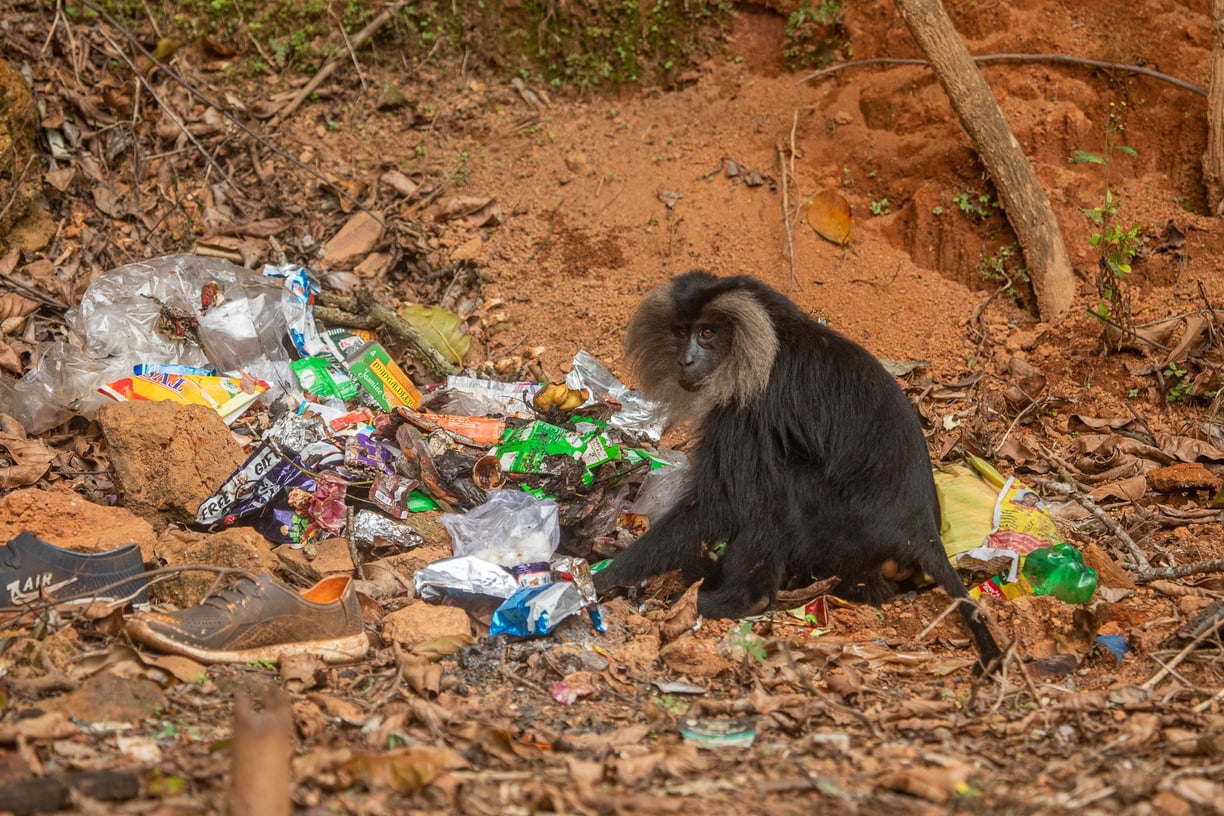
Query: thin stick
<point x="1088" y="504"/>
<point x="787" y="223"/>
<point x="1063" y="58"/>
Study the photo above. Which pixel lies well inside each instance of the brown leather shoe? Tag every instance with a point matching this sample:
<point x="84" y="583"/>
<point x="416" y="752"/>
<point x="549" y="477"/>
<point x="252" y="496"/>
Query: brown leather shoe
<point x="261" y="619"/>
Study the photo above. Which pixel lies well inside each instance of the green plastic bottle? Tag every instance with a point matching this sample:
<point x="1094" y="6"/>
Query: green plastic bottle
<point x="1060" y="571"/>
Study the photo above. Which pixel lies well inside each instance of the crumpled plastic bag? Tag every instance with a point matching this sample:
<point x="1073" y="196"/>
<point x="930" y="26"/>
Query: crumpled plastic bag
<point x="511" y="528"/>
<point x="118" y="320"/>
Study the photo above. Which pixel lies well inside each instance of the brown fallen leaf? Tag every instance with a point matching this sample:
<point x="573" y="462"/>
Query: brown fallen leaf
<point x="14" y="305"/>
<point x="829" y="214"/>
<point x="405" y="770"/>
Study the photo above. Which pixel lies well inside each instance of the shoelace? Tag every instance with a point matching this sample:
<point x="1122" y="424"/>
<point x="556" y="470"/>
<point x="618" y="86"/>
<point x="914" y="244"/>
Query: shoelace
<point x="228" y="596"/>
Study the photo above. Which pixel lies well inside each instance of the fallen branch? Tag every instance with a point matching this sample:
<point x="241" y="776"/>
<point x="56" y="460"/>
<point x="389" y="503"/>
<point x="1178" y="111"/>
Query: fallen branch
<point x="381" y="19"/>
<point x="365" y="313"/>
<point x="1167" y="668"/>
<point x="1148" y="574"/>
<point x="1055" y="58"/>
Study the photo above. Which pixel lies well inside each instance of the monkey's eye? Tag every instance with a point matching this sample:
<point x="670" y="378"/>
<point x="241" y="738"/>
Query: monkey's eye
<point x="706" y="333"/>
<point x="682" y="331"/>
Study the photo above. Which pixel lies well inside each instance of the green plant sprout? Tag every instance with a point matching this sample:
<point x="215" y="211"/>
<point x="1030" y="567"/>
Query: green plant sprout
<point x="881" y="207"/>
<point x="1115" y="243"/>
<point x="980" y="207"/>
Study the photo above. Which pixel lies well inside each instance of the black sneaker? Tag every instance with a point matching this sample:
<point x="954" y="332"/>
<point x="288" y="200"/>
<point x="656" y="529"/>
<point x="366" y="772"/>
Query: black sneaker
<point x="261" y="619"/>
<point x="33" y="572"/>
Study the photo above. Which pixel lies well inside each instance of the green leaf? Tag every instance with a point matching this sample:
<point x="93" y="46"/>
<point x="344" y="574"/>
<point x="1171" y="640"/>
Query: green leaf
<point x="1084" y="157"/>
<point x="440" y="328"/>
<point x="1130" y="151"/>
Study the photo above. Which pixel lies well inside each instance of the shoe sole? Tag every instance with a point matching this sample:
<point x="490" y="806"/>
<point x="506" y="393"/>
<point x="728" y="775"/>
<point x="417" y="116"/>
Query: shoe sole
<point x="334" y="650"/>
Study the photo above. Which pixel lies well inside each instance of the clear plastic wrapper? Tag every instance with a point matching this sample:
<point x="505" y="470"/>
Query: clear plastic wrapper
<point x="474" y="397"/>
<point x="662" y="485"/>
<point x="638" y="417"/>
<point x="511" y="528"/>
<point x="63" y="382"/>
<point x="463" y="576"/>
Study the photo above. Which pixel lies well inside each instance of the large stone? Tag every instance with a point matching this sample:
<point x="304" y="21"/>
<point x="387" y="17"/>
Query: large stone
<point x="167" y="458"/>
<point x="236" y="548"/>
<point x="65" y="519"/>
<point x="420" y="622"/>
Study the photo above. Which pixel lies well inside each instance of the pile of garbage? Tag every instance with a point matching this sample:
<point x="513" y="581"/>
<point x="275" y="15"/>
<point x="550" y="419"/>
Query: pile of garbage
<point x="540" y="479"/>
<point x="354" y="447"/>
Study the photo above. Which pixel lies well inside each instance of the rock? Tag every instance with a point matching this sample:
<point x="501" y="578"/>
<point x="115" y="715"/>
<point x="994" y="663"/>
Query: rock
<point x="332" y="557"/>
<point x="578" y="163"/>
<point x="356" y="239"/>
<point x="468" y="250"/>
<point x="18" y="123"/>
<point x="420" y="622"/>
<point x="1183" y="477"/>
<point x="694" y="657"/>
<point x="167" y="457"/>
<point x="373" y="265"/>
<point x="236" y="547"/>
<point x="63" y="518"/>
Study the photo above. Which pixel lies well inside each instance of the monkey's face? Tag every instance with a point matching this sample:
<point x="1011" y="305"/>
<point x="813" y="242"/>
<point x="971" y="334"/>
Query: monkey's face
<point x="700" y="348"/>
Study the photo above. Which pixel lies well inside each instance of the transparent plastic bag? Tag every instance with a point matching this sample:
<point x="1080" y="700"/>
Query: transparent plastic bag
<point x="511" y="528"/>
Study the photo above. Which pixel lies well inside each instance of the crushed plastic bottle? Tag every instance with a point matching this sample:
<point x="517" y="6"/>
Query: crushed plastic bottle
<point x="1060" y="571"/>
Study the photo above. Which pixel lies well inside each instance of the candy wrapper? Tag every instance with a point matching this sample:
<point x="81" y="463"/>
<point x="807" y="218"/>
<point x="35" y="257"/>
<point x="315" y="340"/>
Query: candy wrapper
<point x="577" y="572"/>
<point x="270" y="470"/>
<point x="369" y="525"/>
<point x="379" y="375"/>
<point x="489" y="397"/>
<point x="462" y="577"/>
<point x="534" y="610"/>
<point x="261" y="479"/>
<point x="391" y="492"/>
<point x="228" y="396"/>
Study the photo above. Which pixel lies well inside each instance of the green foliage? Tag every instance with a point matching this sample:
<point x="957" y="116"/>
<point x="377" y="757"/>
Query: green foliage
<point x="814" y="35"/>
<point x="587" y="45"/>
<point x="1177" y="385"/>
<point x="881" y="207"/>
<point x="978" y="207"/>
<point x="1001" y="268"/>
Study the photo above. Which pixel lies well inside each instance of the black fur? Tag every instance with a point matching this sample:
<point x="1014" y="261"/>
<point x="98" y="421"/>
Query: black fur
<point x="821" y="472"/>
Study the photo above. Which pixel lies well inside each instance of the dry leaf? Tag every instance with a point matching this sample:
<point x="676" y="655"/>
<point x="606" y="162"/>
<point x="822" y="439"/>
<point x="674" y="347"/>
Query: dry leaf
<point x="829" y="214"/>
<point x="14" y="305"/>
<point x="10" y="360"/>
<point x="405" y="770"/>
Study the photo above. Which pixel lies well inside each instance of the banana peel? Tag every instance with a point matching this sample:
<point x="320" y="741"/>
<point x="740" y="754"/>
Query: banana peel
<point x="559" y="396"/>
